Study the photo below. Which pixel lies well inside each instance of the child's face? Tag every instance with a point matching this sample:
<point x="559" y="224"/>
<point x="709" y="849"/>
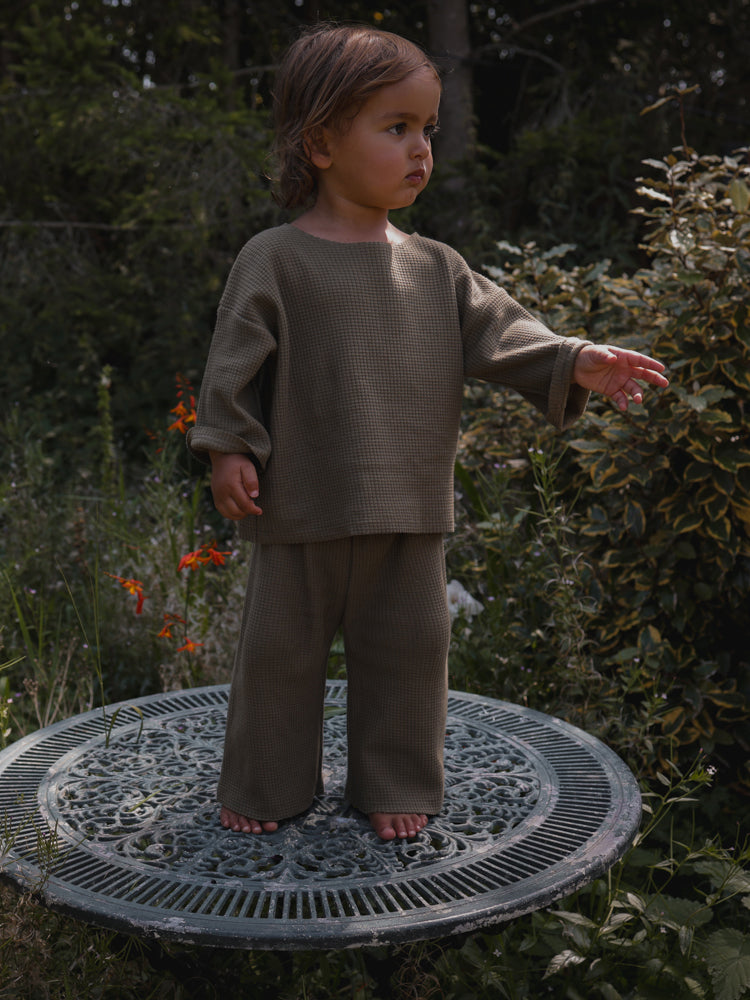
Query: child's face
<point x="384" y="158"/>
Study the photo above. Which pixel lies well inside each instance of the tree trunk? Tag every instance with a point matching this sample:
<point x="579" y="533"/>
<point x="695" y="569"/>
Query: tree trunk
<point x="231" y="30"/>
<point x="455" y="145"/>
<point x="451" y="47"/>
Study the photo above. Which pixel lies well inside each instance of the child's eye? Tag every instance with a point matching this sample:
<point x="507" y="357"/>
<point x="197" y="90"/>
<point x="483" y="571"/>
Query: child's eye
<point x="428" y="131"/>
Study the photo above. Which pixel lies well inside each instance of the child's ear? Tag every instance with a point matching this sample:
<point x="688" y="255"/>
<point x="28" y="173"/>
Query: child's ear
<point x="317" y="148"/>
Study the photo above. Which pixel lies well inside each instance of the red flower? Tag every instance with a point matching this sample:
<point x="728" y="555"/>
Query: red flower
<point x="185" y="413"/>
<point x="207" y="553"/>
<point x="184" y="417"/>
<point x="216" y="557"/>
<point x="132" y="587"/>
<point x="192" y="560"/>
<point x="169" y="621"/>
<point x="189" y="647"/>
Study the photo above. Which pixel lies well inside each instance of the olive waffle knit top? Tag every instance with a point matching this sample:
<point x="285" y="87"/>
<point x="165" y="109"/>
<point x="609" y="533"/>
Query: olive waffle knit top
<point x="339" y="368"/>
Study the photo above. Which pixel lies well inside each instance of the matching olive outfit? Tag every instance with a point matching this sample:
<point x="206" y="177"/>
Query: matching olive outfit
<point x="339" y="369"/>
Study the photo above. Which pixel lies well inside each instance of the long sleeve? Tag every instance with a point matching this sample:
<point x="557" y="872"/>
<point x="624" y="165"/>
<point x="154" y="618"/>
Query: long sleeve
<point x="235" y="392"/>
<point x="504" y="343"/>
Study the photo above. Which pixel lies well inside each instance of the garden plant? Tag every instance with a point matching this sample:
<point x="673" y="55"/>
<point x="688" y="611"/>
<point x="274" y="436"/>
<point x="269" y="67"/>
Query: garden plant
<point x="610" y="567"/>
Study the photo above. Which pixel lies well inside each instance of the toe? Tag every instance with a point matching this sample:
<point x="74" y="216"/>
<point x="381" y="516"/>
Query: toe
<point x="399" y="826"/>
<point x="390" y="826"/>
<point x="383" y="825"/>
<point x="231" y="820"/>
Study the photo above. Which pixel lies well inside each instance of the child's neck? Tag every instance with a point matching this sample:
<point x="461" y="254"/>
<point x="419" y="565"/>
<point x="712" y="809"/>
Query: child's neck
<point x="339" y="228"/>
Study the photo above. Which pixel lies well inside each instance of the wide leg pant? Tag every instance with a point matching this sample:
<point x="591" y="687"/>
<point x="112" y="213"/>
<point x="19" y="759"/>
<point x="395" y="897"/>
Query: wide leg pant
<point x="387" y="593"/>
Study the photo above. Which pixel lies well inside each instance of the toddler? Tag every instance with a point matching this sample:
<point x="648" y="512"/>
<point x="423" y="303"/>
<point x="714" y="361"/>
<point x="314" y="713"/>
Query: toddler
<point x="329" y="412"/>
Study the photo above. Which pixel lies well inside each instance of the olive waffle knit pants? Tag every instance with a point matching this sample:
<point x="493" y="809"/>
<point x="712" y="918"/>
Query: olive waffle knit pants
<point x="387" y="593"/>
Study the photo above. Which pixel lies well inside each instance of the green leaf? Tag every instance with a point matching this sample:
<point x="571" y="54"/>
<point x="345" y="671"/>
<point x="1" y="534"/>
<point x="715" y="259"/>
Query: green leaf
<point x="606" y="472"/>
<point x="739" y="194"/>
<point x="689" y="277"/>
<point x="716" y="506"/>
<point x="674" y="912"/>
<point x="570" y="917"/>
<point x="726" y="458"/>
<point x="635" y="518"/>
<point x="687" y="521"/>
<point x="558" y="251"/>
<point x="655" y="195"/>
<point x="720" y="530"/>
<point x="649" y="640"/>
<point x="564" y="960"/>
<point x="727" y="954"/>
<point x="657" y="164"/>
<point x="587" y="445"/>
<point x="737" y="375"/>
<point x="697" y="472"/>
<point x="673" y="721"/>
<point x="685" y="938"/>
<point x="717" y="417"/>
<point x="682" y="241"/>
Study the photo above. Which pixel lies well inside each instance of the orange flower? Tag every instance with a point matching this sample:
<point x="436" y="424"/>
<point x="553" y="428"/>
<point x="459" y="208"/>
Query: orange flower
<point x="133" y="587"/>
<point x="216" y="557"/>
<point x="207" y="553"/>
<point x="192" y="560"/>
<point x="169" y="621"/>
<point x="189" y="647"/>
<point x="184" y="417"/>
<point x="185" y="413"/>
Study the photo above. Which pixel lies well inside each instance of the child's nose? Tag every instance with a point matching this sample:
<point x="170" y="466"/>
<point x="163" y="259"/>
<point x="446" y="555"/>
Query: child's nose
<point x="422" y="147"/>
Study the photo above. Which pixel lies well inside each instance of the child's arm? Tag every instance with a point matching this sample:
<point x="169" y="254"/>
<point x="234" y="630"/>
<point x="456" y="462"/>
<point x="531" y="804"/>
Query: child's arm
<point x="613" y="371"/>
<point x="234" y="484"/>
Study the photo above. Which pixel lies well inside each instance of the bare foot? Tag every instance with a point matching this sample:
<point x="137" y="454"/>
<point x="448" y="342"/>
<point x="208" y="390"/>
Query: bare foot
<point x="388" y="826"/>
<point x="241" y="824"/>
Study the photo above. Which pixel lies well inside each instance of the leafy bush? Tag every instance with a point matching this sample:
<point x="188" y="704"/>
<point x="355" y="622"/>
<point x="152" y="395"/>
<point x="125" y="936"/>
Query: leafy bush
<point x="116" y="239"/>
<point x="663" y="492"/>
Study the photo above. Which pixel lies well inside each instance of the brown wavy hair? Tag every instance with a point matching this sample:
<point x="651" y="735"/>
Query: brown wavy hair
<point x="324" y="79"/>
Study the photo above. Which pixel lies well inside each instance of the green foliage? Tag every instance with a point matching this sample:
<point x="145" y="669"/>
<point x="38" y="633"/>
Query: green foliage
<point x="117" y="233"/>
<point x="97" y="607"/>
<point x="645" y="931"/>
<point x="520" y="554"/>
<point x="663" y="492"/>
<point x="671" y="482"/>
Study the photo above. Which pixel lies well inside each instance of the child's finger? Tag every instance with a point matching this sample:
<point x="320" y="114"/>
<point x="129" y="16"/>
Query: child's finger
<point x="251" y="491"/>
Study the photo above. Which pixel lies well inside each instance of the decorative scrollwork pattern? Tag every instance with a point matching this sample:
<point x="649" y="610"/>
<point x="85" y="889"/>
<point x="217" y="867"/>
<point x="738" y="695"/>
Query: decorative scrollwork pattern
<point x="149" y="798"/>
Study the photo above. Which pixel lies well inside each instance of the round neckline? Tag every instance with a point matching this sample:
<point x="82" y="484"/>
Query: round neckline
<point x="356" y="243"/>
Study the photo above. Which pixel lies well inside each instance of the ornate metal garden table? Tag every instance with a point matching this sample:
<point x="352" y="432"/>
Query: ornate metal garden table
<point x="110" y="816"/>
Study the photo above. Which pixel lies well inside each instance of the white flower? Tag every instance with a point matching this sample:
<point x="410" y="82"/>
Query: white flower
<point x="460" y="600"/>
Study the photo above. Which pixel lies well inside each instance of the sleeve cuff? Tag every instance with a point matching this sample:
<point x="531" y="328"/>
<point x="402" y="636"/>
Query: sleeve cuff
<point x="202" y="440"/>
<point x="567" y="400"/>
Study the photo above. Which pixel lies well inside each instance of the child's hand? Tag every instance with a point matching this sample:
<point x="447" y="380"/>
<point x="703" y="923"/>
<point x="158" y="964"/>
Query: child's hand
<point x="613" y="371"/>
<point x="234" y="484"/>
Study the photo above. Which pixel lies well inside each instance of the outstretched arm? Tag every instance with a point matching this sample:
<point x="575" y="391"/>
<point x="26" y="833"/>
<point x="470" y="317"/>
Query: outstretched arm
<point x="614" y="372"/>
